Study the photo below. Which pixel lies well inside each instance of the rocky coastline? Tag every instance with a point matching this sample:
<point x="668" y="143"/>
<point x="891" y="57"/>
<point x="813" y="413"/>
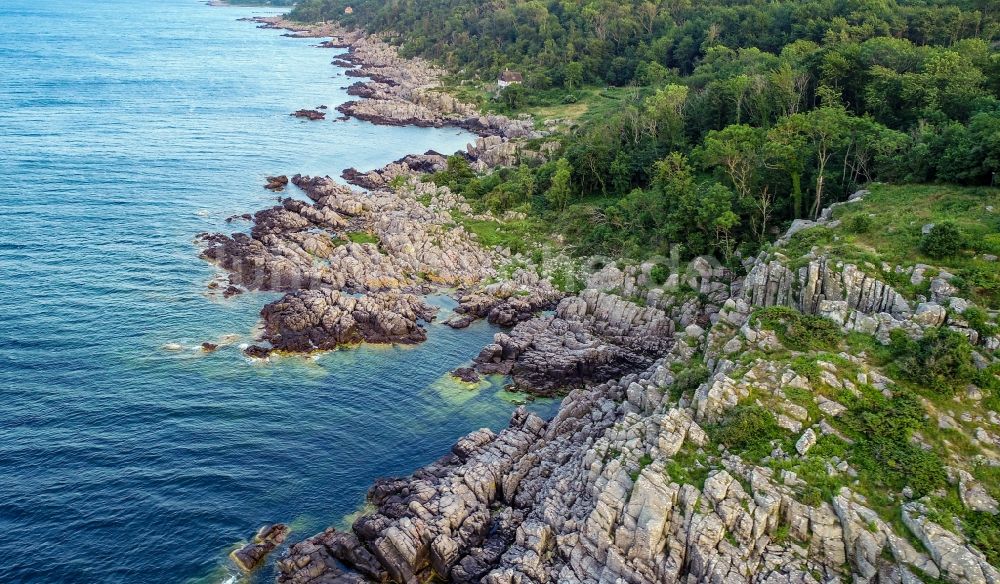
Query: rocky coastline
<point x="626" y="483"/>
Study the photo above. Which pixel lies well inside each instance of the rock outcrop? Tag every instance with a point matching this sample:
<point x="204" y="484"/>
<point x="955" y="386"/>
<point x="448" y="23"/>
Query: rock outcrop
<point x="313" y="115"/>
<point x="297" y="245"/>
<point x="592" y="337"/>
<point x="629" y="481"/>
<point x="267" y="539"/>
<point x="319" y="320"/>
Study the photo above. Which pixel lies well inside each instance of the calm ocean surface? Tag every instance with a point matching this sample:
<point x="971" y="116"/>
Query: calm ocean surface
<point x="126" y="128"/>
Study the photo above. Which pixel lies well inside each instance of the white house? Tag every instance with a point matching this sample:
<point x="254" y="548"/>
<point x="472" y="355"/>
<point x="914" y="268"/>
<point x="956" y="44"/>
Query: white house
<point x="508" y="78"/>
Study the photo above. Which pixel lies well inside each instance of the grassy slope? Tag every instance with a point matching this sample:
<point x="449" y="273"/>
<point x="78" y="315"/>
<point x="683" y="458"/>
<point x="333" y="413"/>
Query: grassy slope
<point x="897" y="215"/>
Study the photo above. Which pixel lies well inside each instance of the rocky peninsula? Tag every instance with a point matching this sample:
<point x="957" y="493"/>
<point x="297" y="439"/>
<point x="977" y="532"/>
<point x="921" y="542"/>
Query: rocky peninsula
<point x="643" y="475"/>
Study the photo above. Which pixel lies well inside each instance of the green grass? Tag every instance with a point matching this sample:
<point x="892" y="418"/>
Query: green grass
<point x="361" y="237"/>
<point x="897" y="214"/>
<point x="519" y="236"/>
<point x="577" y="105"/>
<point x="797" y="331"/>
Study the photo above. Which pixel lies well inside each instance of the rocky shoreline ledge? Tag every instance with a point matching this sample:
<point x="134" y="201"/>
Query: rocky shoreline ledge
<point x="628" y="482"/>
<point x="390" y="244"/>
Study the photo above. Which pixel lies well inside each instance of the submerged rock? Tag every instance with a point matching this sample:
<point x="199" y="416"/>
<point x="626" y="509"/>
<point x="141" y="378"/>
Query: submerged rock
<point x="466" y="374"/>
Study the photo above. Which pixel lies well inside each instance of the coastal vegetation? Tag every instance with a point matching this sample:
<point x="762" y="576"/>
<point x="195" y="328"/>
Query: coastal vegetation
<point x="709" y="125"/>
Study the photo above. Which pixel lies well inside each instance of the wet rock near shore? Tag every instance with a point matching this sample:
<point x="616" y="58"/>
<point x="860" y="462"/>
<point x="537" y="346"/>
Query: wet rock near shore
<point x="382" y="178"/>
<point x="319" y="320"/>
<point x="276" y="183"/>
<point x="402" y="536"/>
<point x="309" y="114"/>
<point x="267" y="539"/>
<point x="298" y="245"/>
<point x="466" y="375"/>
<point x="508" y="302"/>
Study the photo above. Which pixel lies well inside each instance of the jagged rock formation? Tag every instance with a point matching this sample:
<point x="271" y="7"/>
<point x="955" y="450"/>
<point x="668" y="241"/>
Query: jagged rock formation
<point x="508" y="302"/>
<point x="312" y="115"/>
<point x="405" y="167"/>
<point x="301" y="246"/>
<point x="317" y="320"/>
<point x="852" y="297"/>
<point x="772" y="283"/>
<point x="627" y="484"/>
<point x="593" y="496"/>
<point x="592" y="337"/>
<point x="267" y="539"/>
<point x="405" y="92"/>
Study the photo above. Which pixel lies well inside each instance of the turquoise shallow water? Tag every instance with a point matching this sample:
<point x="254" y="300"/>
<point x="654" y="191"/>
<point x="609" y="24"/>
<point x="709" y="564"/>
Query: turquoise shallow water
<point x="125" y="129"/>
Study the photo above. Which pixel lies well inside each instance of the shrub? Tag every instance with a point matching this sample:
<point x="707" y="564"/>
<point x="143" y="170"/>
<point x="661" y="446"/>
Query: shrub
<point x="565" y="281"/>
<point x="688" y="379"/>
<point x="797" y="331"/>
<point x="942" y="241"/>
<point x="983" y="530"/>
<point x="883" y="448"/>
<point x="989" y="243"/>
<point x="979" y="321"/>
<point x="748" y="429"/>
<point x="940" y="361"/>
<point x="659" y="274"/>
<point x="860" y="224"/>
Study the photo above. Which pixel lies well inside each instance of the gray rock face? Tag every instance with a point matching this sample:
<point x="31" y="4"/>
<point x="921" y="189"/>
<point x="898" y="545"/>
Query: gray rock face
<point x="595" y="495"/>
<point x="773" y="284"/>
<point x="300" y="248"/>
<point x="403" y="92"/>
<point x="442" y="521"/>
<point x="508" y="302"/>
<point x="317" y="320"/>
<point x="805" y="442"/>
<point x="592" y="337"/>
<point x="957" y="562"/>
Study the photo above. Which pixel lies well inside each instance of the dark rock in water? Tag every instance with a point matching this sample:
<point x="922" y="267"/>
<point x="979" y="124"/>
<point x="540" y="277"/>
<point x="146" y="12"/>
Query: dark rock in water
<point x="592" y="338"/>
<point x="209" y="347"/>
<point x="460" y="321"/>
<point x="321" y="107"/>
<point x="326" y="554"/>
<point x="466" y="374"/>
<point x="507" y="303"/>
<point x="360" y="89"/>
<point x="251" y="555"/>
<point x="318" y="320"/>
<point x="257" y="352"/>
<point x="231" y="291"/>
<point x="342" y="63"/>
<point x="464" y="486"/>
<point x="276" y="183"/>
<point x="382" y="178"/>
<point x="309" y="114"/>
<point x="243" y="217"/>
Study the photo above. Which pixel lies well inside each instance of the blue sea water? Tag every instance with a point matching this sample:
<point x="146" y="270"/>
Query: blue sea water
<point x="126" y="128"/>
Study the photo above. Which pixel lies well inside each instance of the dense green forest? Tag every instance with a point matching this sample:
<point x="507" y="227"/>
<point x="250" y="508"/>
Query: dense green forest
<point x="711" y="124"/>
